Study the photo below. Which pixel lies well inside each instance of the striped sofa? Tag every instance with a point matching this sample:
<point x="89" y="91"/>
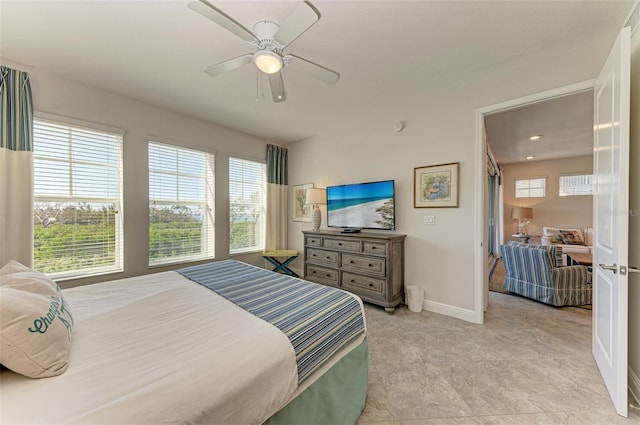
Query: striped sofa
<point x="536" y="271"/>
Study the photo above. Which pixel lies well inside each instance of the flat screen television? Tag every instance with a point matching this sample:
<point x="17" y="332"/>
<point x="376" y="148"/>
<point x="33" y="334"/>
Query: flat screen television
<point x="362" y="206"/>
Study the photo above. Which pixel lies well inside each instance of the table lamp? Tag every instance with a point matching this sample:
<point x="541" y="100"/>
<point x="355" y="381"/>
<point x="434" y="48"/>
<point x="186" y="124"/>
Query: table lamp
<point x="521" y="213"/>
<point x="315" y="197"/>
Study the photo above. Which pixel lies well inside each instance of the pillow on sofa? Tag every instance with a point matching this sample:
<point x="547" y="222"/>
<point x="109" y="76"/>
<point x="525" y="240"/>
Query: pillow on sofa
<point x="555" y="238"/>
<point x="552" y="234"/>
<point x="571" y="237"/>
<point x="35" y="323"/>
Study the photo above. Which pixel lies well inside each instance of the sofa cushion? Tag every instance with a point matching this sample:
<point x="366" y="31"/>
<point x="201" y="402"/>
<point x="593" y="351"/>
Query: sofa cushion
<point x="555" y="251"/>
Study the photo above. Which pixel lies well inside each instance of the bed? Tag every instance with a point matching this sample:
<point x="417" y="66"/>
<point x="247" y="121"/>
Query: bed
<point x="224" y="342"/>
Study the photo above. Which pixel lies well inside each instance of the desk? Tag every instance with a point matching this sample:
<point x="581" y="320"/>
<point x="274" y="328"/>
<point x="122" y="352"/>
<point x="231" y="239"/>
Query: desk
<point x="281" y="267"/>
<point x="579" y="258"/>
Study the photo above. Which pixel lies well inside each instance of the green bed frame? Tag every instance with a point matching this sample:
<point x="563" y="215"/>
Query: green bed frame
<point x="337" y="397"/>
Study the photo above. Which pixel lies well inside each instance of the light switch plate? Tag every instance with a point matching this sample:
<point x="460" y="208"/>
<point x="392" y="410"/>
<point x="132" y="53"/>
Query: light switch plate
<point x="429" y="219"/>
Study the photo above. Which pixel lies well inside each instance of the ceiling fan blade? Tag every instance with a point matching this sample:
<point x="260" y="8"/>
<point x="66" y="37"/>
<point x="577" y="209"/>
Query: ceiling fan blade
<point x="211" y="12"/>
<point x="277" y="87"/>
<point x="229" y="65"/>
<point x="320" y="72"/>
<point x="302" y="18"/>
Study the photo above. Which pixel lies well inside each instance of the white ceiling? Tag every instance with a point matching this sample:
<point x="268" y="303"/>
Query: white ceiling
<point x="392" y="55"/>
<point x="565" y="125"/>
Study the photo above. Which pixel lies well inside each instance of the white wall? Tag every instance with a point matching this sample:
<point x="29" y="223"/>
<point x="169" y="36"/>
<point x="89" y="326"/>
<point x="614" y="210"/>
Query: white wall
<point x="552" y="210"/>
<point x="141" y="122"/>
<point x="440" y="129"/>
<point x="634" y="219"/>
<point x="439" y="257"/>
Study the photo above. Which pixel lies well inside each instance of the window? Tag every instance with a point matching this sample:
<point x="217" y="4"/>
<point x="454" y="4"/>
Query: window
<point x="531" y="188"/>
<point x="181" y="204"/>
<point x="247" y="205"/>
<point x="576" y="185"/>
<point x="77" y="200"/>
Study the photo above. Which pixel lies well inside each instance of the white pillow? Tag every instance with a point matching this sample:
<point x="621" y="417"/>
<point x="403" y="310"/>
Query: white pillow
<point x="35" y="323"/>
<point x="18" y="276"/>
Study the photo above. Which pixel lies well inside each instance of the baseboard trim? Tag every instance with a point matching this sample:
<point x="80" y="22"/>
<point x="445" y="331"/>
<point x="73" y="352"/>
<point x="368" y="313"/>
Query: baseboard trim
<point x="449" y="310"/>
<point x="634" y="385"/>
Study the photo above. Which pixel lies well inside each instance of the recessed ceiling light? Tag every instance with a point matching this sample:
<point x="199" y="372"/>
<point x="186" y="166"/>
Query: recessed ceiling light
<point x="530" y="157"/>
<point x="536" y="137"/>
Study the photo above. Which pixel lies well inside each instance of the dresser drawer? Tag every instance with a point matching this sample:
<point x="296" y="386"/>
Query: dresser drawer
<point x="374" y="248"/>
<point x="360" y="262"/>
<point x="322" y="275"/>
<point x="362" y="284"/>
<point x="323" y="256"/>
<point x="313" y="241"/>
<point x="342" y="245"/>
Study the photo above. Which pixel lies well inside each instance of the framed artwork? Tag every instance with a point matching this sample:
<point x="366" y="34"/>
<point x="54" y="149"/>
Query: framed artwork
<point x="301" y="211"/>
<point x="436" y="186"/>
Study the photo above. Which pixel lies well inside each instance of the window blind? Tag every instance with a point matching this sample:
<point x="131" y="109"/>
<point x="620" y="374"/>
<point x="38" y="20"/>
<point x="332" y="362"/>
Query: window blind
<point x="77" y="200"/>
<point x="576" y="185"/>
<point x="531" y="188"/>
<point x="181" y="204"/>
<point x="247" y="205"/>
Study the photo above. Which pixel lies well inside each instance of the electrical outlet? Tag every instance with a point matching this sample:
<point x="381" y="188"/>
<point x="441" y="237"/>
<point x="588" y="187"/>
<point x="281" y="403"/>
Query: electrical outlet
<point x="429" y="219"/>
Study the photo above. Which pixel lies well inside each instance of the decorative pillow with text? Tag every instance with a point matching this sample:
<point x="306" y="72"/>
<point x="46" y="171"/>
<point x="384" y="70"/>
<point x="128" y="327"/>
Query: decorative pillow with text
<point x="36" y="323"/>
<point x="18" y="276"/>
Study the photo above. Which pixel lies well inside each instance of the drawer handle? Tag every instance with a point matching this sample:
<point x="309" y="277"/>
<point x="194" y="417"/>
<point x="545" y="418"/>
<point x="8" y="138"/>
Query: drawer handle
<point x="339" y="243"/>
<point x="352" y="281"/>
<point x="373" y="247"/>
<point x="370" y="265"/>
<point x="371" y="284"/>
<point x="351" y="261"/>
<point x="328" y="258"/>
<point x="313" y="272"/>
<point x="327" y="275"/>
<point x="313" y="255"/>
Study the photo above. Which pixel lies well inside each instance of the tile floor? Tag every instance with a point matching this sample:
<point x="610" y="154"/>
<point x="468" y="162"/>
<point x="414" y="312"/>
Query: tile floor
<point x="528" y="364"/>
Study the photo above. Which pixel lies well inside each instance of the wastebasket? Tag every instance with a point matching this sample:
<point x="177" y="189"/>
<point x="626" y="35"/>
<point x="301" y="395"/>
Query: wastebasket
<point x="415" y="297"/>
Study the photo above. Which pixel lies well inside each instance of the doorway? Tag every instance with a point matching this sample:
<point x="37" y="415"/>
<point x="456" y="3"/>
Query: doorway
<point x="544" y="157"/>
<point x="482" y="226"/>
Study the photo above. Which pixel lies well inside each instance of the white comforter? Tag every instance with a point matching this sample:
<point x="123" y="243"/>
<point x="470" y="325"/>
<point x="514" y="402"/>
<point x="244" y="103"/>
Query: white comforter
<point x="156" y="349"/>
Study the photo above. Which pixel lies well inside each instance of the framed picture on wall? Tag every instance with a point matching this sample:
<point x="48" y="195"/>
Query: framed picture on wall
<point x="301" y="211"/>
<point x="436" y="186"/>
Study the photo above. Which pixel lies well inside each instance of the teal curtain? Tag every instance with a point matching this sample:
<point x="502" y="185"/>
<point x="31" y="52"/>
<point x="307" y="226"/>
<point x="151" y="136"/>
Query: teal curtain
<point x="277" y="167"/>
<point x="16" y="110"/>
<point x="16" y="167"/>
<point x="277" y="180"/>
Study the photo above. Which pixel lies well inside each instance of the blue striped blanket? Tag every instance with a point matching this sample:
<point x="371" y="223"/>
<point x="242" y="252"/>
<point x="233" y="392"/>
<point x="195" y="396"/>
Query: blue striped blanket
<point x="318" y="320"/>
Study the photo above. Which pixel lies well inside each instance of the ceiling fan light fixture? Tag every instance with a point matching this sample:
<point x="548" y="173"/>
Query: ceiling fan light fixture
<point x="268" y="61"/>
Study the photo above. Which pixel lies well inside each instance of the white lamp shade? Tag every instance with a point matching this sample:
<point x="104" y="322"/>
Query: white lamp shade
<point x="316" y="196"/>
<point x="267" y="61"/>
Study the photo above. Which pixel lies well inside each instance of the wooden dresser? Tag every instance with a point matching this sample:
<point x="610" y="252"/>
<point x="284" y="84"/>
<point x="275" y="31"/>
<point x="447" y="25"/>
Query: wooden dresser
<point x="371" y="265"/>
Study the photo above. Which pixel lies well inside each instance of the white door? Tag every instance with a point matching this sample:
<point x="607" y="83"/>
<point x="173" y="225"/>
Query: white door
<point x="611" y="220"/>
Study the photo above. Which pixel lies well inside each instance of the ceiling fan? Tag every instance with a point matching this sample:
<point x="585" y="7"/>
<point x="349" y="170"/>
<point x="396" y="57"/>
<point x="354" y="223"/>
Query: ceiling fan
<point x="270" y="40"/>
